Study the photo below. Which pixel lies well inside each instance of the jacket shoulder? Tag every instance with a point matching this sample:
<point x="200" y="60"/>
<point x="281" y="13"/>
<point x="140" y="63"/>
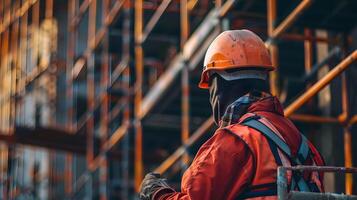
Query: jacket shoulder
<point x="252" y="138"/>
<point x="242" y="132"/>
<point x="225" y="140"/>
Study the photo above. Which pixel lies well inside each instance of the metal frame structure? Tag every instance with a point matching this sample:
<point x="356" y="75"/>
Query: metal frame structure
<point x="99" y="36"/>
<point x="108" y="125"/>
<point x="282" y="183"/>
<point x="343" y="119"/>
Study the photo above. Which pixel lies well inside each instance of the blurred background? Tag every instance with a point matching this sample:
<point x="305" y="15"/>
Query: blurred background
<point x="96" y="93"/>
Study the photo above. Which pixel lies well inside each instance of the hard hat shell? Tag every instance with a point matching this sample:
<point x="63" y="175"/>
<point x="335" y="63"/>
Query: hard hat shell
<point x="235" y="49"/>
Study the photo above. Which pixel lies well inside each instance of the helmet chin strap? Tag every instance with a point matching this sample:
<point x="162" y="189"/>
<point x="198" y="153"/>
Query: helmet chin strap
<point x="216" y="110"/>
<point x="215" y="101"/>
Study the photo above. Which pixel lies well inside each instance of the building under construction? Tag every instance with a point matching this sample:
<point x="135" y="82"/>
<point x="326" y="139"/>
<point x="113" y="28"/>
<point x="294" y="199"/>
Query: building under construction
<point x="94" y="94"/>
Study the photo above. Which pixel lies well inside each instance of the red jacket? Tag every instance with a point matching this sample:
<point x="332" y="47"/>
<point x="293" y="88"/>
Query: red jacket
<point x="225" y="165"/>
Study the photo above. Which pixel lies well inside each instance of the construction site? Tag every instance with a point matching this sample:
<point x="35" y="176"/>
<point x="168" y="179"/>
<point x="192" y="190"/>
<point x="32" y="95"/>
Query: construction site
<point x="94" y="94"/>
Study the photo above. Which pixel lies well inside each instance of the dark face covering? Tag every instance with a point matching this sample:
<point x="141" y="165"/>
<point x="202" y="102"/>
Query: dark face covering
<point x="222" y="95"/>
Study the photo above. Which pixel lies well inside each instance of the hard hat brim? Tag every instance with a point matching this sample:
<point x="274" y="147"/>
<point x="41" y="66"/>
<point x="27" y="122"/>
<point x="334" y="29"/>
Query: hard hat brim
<point x="204" y="82"/>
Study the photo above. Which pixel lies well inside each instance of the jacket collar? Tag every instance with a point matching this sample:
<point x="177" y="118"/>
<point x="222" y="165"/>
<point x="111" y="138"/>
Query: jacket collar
<point x="267" y="104"/>
<point x="250" y="103"/>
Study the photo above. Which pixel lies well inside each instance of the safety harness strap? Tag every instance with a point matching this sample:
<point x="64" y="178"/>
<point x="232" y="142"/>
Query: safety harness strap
<point x="303" y="151"/>
<point x="274" y="150"/>
<point x="267" y="132"/>
<point x="302" y="154"/>
<point x="300" y="183"/>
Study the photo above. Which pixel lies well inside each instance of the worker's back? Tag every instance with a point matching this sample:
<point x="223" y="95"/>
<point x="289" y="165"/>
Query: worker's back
<point x="240" y="162"/>
<point x="268" y="115"/>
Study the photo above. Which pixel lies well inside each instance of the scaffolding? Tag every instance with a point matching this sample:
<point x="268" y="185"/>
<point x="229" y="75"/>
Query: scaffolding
<point x="78" y="78"/>
<point x="282" y="183"/>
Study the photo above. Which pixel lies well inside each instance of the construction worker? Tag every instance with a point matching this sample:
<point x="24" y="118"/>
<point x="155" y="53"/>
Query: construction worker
<point x="240" y="160"/>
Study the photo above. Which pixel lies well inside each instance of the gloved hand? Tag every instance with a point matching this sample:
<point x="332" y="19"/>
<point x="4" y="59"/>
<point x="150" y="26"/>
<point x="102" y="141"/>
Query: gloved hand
<point x="152" y="183"/>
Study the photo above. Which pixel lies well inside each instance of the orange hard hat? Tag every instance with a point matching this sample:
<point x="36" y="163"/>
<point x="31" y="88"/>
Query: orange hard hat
<point x="235" y="49"/>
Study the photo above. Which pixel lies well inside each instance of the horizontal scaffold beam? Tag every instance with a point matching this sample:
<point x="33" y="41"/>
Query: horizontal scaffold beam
<point x="52" y="138"/>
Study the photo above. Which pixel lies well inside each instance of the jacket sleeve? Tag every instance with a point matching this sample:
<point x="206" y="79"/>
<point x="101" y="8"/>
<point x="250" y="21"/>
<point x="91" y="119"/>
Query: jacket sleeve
<point x="222" y="168"/>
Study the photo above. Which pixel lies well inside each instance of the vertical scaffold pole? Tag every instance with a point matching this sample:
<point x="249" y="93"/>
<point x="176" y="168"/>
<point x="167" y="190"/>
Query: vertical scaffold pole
<point x="185" y="83"/>
<point x="138" y="171"/>
<point x="127" y="114"/>
<point x="69" y="91"/>
<point x="104" y="107"/>
<point x="347" y="135"/>
<point x="273" y="47"/>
